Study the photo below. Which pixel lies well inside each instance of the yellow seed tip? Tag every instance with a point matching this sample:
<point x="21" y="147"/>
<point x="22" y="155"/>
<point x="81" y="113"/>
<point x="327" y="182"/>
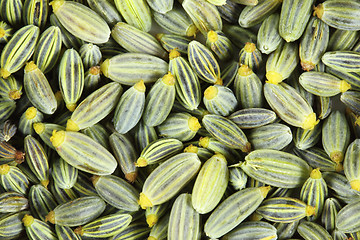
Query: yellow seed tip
<point x="104" y="67"/>
<point x="194" y="124"/>
<point x="355" y="184"/>
<point x="212" y="36"/>
<point x="4" y="73"/>
<point x="273" y="77"/>
<point x="250" y="47"/>
<point x="204" y="142"/>
<point x="4" y="169"/>
<point x="72" y="126"/>
<point x="144" y="202"/>
<point x="39" y="127"/>
<point x="344" y="86"/>
<point x="57" y="138"/>
<point x="56" y="4"/>
<point x="140" y="86"/>
<point x="174" y="54"/>
<point x="141" y="162"/>
<point x="151" y="220"/>
<point x="264" y="191"/>
<point x="219" y="81"/>
<point x="71" y="106"/>
<point x="130" y="177"/>
<point x="315" y="174"/>
<point x="211" y="92"/>
<point x="2" y="32"/>
<point x="95" y="70"/>
<point x="319" y="11"/>
<point x="14" y="95"/>
<point x="27" y="220"/>
<point x="45" y="183"/>
<point x="310" y="122"/>
<point x="30" y="113"/>
<point x="244" y="71"/>
<point x="307" y="66"/>
<point x="79" y="231"/>
<point x="191" y="148"/>
<point x="169" y="79"/>
<point x="337" y="156"/>
<point x="50" y="217"/>
<point x="30" y="66"/>
<point x="191" y="31"/>
<point x="159" y="36"/>
<point x="309" y="210"/>
<point x="339" y="167"/>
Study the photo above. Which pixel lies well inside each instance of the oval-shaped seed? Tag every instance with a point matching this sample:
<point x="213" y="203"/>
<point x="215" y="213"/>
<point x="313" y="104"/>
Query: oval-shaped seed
<point x="290" y="105"/>
<point x="204" y="63"/>
<point x="249" y="55"/>
<point x="9" y="153"/>
<point x="210" y="184"/>
<point x="252" y="117"/>
<point x="276" y="168"/>
<point x="340" y="187"/>
<point x="38" y="89"/>
<point x="81" y="21"/>
<point x="137" y="41"/>
<point x="328" y="216"/>
<point x="205" y="16"/>
<point x="343" y="40"/>
<point x="130" y="68"/>
<point x="99" y="133"/>
<point x="305" y="139"/>
<point x="173" y="41"/>
<point x="11" y="11"/>
<point x="159" y="150"/>
<point x="187" y="84"/>
<point x="340" y="14"/>
<point x="136" y="13"/>
<point x="248" y="88"/>
<point x="95" y="107"/>
<point x="335" y="125"/>
<point x="168" y="179"/>
<point x="37" y="159"/>
<point x="255" y="230"/>
<point x="282" y="62"/>
<point x="219" y="44"/>
<point x="184" y="221"/>
<point x="71" y="78"/>
<point x="226" y="132"/>
<point x="12" y="202"/>
<point x="77" y="212"/>
<point x="318" y="158"/>
<point x="284" y="209"/>
<point x="144" y="135"/>
<point x="159" y="101"/>
<point x="268" y="37"/>
<point x="105" y="227"/>
<point x="252" y="15"/>
<point x="13" y="179"/>
<point x="37" y="229"/>
<point x="313" y="192"/>
<point x="35" y="12"/>
<point x="47" y="50"/>
<point x="130" y="108"/>
<point x="41" y="201"/>
<point x="237" y="178"/>
<point x="220" y="100"/>
<point x="64" y="174"/>
<point x="18" y="50"/>
<point x="313" y="43"/>
<point x="123" y="195"/>
<point x="11" y="226"/>
<point x="90" y="53"/>
<point x="233" y="210"/>
<point x="83" y="152"/>
<point x="312" y="231"/>
<point x="274" y="136"/>
<point x="176" y="21"/>
<point x="293" y="18"/>
<point x="181" y="126"/>
<point x="351" y="167"/>
<point x="106" y="10"/>
<point x="230" y="10"/>
<point x="323" y="84"/>
<point x="343" y="61"/>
